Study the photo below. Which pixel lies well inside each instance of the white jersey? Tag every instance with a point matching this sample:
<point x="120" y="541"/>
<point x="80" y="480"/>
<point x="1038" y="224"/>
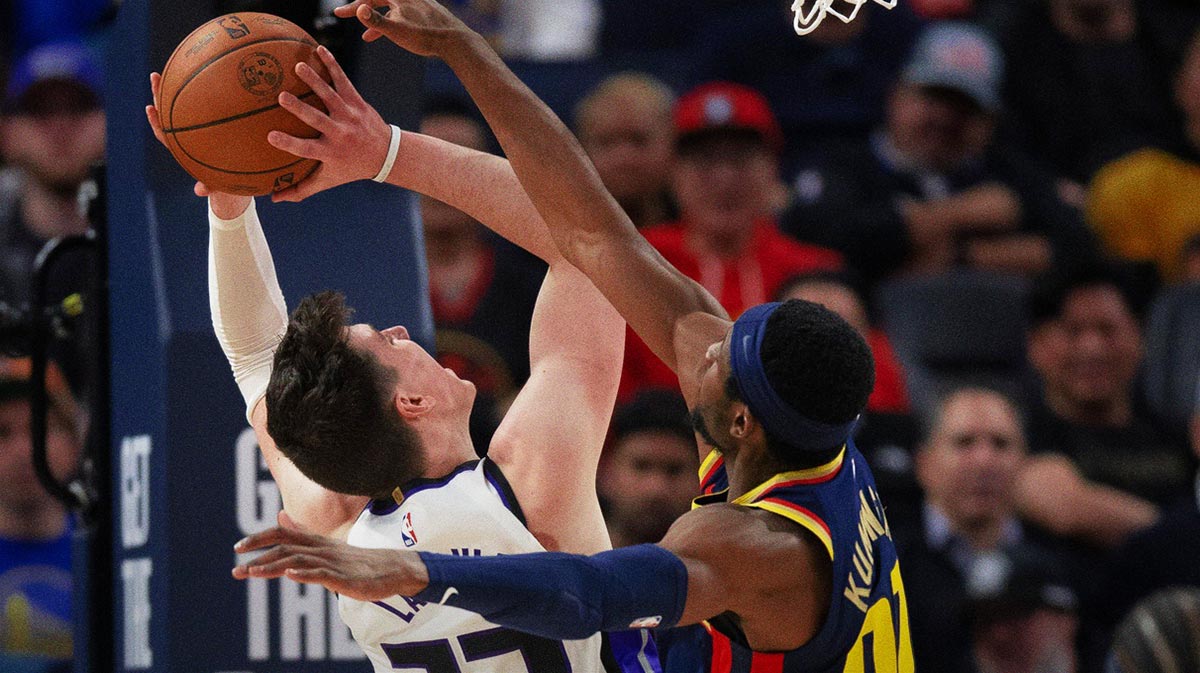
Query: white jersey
<point x="470" y="512"/>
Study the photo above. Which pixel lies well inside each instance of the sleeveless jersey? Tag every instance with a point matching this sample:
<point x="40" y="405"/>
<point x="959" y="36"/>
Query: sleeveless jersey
<point x="470" y="512"/>
<point x="867" y="626"/>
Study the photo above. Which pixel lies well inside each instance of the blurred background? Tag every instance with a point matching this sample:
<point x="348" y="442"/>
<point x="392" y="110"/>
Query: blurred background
<point x="1002" y="196"/>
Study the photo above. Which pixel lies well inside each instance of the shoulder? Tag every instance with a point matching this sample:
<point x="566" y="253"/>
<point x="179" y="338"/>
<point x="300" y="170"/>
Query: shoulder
<point x="746" y="538"/>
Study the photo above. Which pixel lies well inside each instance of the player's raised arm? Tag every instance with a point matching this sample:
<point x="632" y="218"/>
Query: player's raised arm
<point x="576" y="339"/>
<point x="249" y="316"/>
<point x="588" y="226"/>
<point x="354" y="145"/>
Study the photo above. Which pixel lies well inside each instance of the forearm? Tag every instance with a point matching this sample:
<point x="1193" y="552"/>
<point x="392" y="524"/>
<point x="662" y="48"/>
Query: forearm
<point x="248" y="311"/>
<point x="563" y="596"/>
<point x="586" y="223"/>
<point x="481" y="185"/>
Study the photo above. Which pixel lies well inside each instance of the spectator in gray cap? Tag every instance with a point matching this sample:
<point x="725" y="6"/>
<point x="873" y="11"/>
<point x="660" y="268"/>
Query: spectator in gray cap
<point x="932" y="190"/>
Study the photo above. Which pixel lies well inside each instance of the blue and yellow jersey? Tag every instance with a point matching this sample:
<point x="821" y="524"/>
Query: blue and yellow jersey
<point x="867" y="625"/>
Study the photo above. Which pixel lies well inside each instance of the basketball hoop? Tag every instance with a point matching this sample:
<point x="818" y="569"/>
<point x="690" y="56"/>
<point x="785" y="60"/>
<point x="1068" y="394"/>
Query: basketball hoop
<point x="807" y="21"/>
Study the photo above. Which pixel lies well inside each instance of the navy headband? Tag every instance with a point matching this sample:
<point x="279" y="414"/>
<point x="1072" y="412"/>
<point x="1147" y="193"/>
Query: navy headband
<point x="780" y="419"/>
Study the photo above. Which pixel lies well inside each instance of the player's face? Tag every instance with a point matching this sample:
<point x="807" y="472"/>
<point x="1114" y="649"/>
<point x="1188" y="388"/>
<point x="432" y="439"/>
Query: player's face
<point x="723" y="183"/>
<point x="1089" y="356"/>
<point x="710" y="415"/>
<point x="970" y="464"/>
<point x="648" y="480"/>
<point x="415" y="370"/>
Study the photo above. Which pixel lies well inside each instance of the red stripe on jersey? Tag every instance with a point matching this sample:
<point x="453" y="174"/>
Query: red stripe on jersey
<point x="797" y="508"/>
<point x="722" y="651"/>
<point x="704" y="481"/>
<point x="761" y="662"/>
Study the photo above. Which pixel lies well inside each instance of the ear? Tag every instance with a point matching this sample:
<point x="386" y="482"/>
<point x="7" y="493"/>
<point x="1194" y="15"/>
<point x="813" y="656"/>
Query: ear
<point x="413" y="407"/>
<point x="743" y="423"/>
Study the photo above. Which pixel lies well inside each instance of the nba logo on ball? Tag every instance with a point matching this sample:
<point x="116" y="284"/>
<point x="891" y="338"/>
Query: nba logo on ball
<point x="408" y="534"/>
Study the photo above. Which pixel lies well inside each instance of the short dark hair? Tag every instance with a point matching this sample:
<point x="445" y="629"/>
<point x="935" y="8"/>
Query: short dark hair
<point x="653" y="410"/>
<point x="1051" y="292"/>
<point x="329" y="408"/>
<point x="819" y="365"/>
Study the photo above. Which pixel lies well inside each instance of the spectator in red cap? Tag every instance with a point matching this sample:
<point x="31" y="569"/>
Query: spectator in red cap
<point x="932" y="190"/>
<point x="726" y="182"/>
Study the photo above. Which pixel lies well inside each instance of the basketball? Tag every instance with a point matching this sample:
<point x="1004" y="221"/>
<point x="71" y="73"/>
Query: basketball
<point x="220" y="97"/>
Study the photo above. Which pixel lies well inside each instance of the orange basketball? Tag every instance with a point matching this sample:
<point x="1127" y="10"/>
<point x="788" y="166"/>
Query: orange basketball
<point x="220" y="96"/>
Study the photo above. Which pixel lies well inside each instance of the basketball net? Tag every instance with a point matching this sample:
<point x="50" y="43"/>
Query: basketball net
<point x="808" y="20"/>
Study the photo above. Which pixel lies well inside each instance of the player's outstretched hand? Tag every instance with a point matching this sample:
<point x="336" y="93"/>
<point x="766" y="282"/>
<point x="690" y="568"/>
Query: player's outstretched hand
<point x="354" y="139"/>
<point x="225" y="206"/>
<point x="362" y="574"/>
<point x="424" y="27"/>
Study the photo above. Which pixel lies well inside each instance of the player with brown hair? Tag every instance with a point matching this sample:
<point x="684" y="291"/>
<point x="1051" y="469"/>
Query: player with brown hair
<point x="367" y="436"/>
<point x="794" y="571"/>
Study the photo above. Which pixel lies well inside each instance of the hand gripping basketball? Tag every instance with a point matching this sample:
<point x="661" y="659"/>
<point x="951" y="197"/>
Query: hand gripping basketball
<point x="354" y="139"/>
<point x="224" y="206"/>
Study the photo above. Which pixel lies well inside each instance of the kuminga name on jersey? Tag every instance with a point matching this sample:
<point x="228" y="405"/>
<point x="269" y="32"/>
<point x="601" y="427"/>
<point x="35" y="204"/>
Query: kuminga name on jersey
<point x="867" y="625"/>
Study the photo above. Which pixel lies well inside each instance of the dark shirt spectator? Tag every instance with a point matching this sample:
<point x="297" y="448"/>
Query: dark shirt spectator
<point x="1082" y="88"/>
<point x="1159" y="557"/>
<point x="725" y="179"/>
<point x="482" y="290"/>
<point x="967" y="467"/>
<point x="932" y="190"/>
<point x="1103" y="467"/>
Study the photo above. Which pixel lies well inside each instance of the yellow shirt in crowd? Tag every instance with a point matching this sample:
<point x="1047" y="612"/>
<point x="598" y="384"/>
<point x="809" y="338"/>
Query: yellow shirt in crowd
<point x="1145" y="206"/>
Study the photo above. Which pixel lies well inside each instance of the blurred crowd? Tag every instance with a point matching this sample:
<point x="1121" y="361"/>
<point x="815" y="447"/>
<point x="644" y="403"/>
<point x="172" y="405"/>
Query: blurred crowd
<point x="1001" y="196"/>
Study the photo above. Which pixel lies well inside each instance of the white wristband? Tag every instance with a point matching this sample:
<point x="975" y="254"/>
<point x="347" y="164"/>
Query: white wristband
<point x="393" y="148"/>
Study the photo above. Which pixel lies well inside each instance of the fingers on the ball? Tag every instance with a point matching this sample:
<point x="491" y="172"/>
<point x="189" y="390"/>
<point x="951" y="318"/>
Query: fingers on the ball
<point x="341" y="82"/>
<point x="370" y="35"/>
<point x="305" y="112"/>
<point x="301" y="147"/>
<point x="325" y="92"/>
